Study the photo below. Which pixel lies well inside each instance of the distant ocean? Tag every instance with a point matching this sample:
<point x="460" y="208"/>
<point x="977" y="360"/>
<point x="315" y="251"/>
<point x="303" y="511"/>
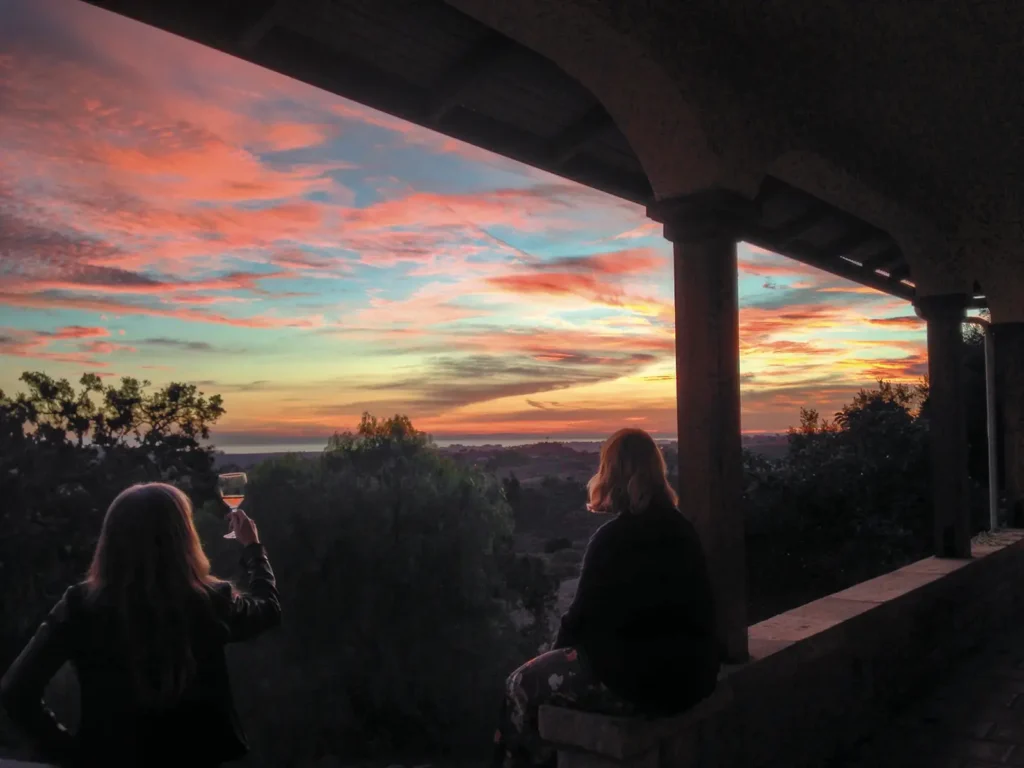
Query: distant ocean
<point x="471" y="442"/>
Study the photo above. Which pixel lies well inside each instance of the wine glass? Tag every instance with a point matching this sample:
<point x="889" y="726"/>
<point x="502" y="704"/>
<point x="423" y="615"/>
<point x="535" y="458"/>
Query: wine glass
<point x="232" y="490"/>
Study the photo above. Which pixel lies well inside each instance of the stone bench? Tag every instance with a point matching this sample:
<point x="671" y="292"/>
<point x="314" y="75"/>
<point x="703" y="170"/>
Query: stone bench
<point x="592" y="740"/>
<point x="823" y="676"/>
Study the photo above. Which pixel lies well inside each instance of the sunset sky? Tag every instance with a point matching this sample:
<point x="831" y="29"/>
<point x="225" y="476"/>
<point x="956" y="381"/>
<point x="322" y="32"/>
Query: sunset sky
<point x="171" y="213"/>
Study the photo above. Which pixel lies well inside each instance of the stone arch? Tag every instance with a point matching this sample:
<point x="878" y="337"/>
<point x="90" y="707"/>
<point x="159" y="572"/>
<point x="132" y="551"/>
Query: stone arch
<point x="1001" y="277"/>
<point x="650" y="106"/>
<point x="936" y="260"/>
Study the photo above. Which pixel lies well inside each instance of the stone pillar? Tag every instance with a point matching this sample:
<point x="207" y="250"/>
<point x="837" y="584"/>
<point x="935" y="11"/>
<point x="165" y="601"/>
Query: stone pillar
<point x="703" y="229"/>
<point x="1009" y="354"/>
<point x="947" y="424"/>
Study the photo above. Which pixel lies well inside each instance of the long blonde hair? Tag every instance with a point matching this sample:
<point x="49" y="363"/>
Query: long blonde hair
<point x="632" y="475"/>
<point x="149" y="566"/>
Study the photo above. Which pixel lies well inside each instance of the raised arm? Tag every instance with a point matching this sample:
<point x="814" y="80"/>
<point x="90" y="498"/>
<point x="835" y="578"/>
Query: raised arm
<point x="258" y="608"/>
<point x="23" y="685"/>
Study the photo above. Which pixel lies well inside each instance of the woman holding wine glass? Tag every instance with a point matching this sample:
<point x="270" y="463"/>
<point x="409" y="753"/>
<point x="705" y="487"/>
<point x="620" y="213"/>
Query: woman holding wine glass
<point x="145" y="632"/>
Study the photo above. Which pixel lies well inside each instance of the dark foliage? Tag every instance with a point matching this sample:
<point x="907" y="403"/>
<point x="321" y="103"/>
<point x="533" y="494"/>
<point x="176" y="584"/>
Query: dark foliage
<point x="396" y="564"/>
<point x="557" y="544"/>
<point x="850" y="500"/>
<point x="399" y="580"/>
<point x="64" y="454"/>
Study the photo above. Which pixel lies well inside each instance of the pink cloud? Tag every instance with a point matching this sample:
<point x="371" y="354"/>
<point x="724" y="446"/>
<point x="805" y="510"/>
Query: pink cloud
<point x="598" y="288"/>
<point x="37" y="345"/>
<point x="630" y="261"/>
<point x="35" y="301"/>
<point x="647" y="228"/>
<point x="280" y="137"/>
<point x="560" y="284"/>
<point x="431" y="305"/>
<point x="105" y="348"/>
<point x="758" y="323"/>
<point x="157" y="175"/>
<point x="776" y="268"/>
<point x="909" y="322"/>
<point x="79" y="332"/>
<point x="521" y="208"/>
<point x="233" y="281"/>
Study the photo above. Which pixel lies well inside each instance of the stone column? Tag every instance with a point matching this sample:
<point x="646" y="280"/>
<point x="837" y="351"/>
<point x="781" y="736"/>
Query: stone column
<point x="1009" y="354"/>
<point x="947" y="424"/>
<point x="703" y="228"/>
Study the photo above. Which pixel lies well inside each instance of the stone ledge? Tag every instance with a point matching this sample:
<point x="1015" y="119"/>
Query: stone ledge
<point x="822" y="675"/>
<point x="621" y="737"/>
<point x="810" y="621"/>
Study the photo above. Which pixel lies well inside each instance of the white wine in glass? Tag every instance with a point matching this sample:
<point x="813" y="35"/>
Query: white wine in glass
<point x="232" y="490"/>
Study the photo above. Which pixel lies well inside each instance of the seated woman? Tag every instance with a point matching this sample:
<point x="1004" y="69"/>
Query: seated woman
<point x="639" y="637"/>
<point x="145" y="633"/>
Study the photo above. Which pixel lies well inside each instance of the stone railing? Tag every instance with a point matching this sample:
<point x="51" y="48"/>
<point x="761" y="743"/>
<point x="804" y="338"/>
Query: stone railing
<point x="822" y="676"/>
<point x="590" y="740"/>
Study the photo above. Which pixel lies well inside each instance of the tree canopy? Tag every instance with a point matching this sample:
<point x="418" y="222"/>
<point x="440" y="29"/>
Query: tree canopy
<point x="65" y="452"/>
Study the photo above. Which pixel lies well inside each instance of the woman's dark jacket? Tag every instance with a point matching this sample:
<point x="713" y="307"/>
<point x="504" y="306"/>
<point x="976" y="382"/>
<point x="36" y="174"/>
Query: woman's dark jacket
<point x="202" y="728"/>
<point x="643" y="615"/>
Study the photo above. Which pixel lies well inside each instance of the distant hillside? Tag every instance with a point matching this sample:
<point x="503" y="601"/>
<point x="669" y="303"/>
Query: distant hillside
<point x="576" y="460"/>
<point x="227" y="462"/>
<point x="772" y="446"/>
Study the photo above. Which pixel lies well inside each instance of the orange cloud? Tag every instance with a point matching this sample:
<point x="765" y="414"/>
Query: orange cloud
<point x="910" y="368"/>
<point x="757" y="323"/>
<point x="787" y="346"/>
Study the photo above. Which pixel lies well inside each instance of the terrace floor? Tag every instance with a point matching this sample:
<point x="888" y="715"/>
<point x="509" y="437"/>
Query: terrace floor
<point x="973" y="719"/>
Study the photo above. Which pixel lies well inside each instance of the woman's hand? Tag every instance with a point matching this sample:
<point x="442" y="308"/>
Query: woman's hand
<point x="243" y="527"/>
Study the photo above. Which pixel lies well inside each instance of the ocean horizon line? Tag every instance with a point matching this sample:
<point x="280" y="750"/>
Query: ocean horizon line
<point x="504" y="441"/>
<point x="443" y="442"/>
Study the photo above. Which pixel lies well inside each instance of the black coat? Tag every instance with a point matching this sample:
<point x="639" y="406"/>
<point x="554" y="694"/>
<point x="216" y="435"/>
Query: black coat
<point x="643" y="615"/>
<point x="201" y="729"/>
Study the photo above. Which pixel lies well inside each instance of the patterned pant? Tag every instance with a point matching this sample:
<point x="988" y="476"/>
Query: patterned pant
<point x="559" y="677"/>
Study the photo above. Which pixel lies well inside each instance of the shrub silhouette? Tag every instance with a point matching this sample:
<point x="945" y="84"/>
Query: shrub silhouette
<point x="557" y="544"/>
<point x="397" y="634"/>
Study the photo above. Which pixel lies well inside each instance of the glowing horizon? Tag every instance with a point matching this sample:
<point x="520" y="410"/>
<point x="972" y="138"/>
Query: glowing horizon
<point x="172" y="213"/>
